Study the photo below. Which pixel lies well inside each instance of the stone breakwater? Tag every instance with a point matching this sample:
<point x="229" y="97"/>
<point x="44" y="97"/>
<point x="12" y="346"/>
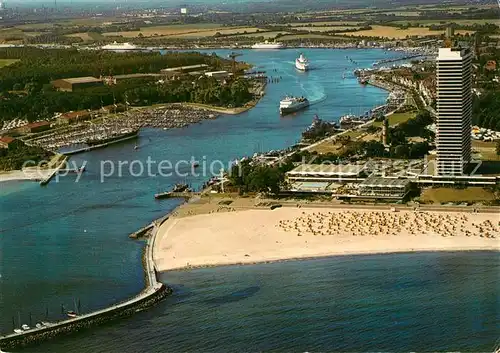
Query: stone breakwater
<point x="152" y="294"/>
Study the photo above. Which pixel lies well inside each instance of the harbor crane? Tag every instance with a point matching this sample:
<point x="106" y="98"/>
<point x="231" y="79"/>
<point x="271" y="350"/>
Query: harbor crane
<point x="233" y="57"/>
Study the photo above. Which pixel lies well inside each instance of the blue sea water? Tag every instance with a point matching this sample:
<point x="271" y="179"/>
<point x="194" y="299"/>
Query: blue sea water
<point x="396" y="303"/>
<point x="67" y="242"/>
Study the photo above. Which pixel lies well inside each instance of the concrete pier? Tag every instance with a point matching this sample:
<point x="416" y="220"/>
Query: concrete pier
<point x="48" y="178"/>
<point x="90" y="148"/>
<point x="152" y="294"/>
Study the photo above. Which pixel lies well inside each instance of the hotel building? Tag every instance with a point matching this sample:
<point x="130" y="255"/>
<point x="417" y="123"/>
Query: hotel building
<point x="454" y="110"/>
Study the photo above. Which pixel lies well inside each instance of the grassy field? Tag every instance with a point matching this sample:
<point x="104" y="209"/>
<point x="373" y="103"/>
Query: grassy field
<point x="325" y="28"/>
<point x="442" y="22"/>
<point x="305" y="36"/>
<point x="397" y="33"/>
<point x="84" y="36"/>
<point x="396" y="118"/>
<point x="9" y="34"/>
<point x="267" y="35"/>
<point x="325" y="23"/>
<point x="93" y="21"/>
<point x="445" y="195"/>
<point x="184" y="31"/>
<point x="335" y="147"/>
<point x="487" y="150"/>
<point x="7" y="62"/>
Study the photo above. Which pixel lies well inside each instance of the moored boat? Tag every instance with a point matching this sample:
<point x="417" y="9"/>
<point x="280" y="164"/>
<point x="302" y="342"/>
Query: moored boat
<point x="363" y="80"/>
<point x="124" y="133"/>
<point x="176" y="188"/>
<point x="72" y="314"/>
<point x="268" y="45"/>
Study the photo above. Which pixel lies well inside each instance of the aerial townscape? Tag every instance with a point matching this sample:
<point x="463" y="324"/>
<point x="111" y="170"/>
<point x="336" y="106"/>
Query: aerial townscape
<point x="249" y="176"/>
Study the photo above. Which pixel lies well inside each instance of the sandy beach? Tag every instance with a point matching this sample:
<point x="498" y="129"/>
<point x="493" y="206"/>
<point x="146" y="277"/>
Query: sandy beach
<point x="26" y="174"/>
<point x="230" y="236"/>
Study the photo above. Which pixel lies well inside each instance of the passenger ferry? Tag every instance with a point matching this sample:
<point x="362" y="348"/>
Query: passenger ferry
<point x="302" y="63"/>
<point x="292" y="104"/>
<point x="268" y="45"/>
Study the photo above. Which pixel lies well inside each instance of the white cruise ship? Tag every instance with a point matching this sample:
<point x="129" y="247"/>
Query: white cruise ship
<point x="301" y="63"/>
<point x="268" y="45"/>
<point x="119" y="46"/>
<point x="292" y="104"/>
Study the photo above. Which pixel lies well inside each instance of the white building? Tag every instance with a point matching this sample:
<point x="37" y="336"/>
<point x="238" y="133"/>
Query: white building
<point x="454" y="110"/>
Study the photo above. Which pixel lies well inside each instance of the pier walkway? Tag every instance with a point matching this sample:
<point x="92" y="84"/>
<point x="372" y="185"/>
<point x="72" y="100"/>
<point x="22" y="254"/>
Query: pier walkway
<point x="90" y="148"/>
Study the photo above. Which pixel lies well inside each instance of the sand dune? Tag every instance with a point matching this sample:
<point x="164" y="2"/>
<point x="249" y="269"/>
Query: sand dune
<point x="252" y="236"/>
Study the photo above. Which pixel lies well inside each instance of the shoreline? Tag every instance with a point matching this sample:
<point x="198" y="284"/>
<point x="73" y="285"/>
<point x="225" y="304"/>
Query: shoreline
<point x="186" y="240"/>
<point x="330" y="256"/>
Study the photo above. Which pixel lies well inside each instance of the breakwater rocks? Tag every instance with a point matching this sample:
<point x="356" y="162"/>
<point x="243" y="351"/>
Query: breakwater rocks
<point x="85" y="321"/>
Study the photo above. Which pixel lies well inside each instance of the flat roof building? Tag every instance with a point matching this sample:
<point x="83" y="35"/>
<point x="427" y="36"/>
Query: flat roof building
<point x="384" y="187"/>
<point x="77" y="83"/>
<point x="174" y="71"/>
<point x="454" y="110"/>
<point x="6" y="141"/>
<point x="217" y="74"/>
<point x="326" y="172"/>
<point x="74" y="117"/>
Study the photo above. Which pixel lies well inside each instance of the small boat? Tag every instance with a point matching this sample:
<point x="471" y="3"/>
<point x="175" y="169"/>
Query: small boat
<point x="136" y="147"/>
<point x="77" y="170"/>
<point x="176" y="188"/>
<point x="18" y="330"/>
<point x="72" y="314"/>
<point x="25" y="327"/>
<point x="39" y="325"/>
<point x="363" y="80"/>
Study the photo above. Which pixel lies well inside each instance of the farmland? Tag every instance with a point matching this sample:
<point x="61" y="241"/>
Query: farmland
<point x="445" y="195"/>
<point x="266" y="35"/>
<point x="326" y="28"/>
<point x="304" y="36"/>
<point x="325" y="23"/>
<point x="444" y="22"/>
<point x="7" y="62"/>
<point x="397" y="33"/>
<point x="183" y="31"/>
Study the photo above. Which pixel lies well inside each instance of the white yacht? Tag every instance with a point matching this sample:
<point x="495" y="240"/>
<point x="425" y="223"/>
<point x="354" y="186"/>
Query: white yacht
<point x="268" y="45"/>
<point x="292" y="104"/>
<point x="119" y="46"/>
<point x="302" y="63"/>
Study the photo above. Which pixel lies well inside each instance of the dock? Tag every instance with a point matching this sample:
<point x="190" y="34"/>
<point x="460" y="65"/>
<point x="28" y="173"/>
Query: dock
<point x="53" y="172"/>
<point x="176" y="195"/>
<point x="154" y="292"/>
<point x="90" y="148"/>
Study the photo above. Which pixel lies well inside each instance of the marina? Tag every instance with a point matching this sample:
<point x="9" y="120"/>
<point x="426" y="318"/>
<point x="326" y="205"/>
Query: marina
<point x="87" y="136"/>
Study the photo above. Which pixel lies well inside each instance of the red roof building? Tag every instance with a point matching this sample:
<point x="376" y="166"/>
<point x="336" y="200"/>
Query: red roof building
<point x="6" y="141"/>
